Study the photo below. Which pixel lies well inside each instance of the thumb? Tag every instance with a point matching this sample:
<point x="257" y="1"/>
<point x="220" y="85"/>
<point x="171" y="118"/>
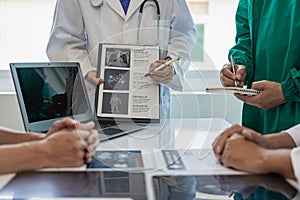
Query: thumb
<point x="100" y="81"/>
<point x="241" y="72"/>
<point x="83" y="134"/>
<point x="255" y="137"/>
<point x="259" y="85"/>
<point x="87" y="126"/>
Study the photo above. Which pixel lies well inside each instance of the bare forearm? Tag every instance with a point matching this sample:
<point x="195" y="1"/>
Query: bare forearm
<point x="19" y="157"/>
<point x="279" y="161"/>
<point x="13" y="137"/>
<point x="280" y="140"/>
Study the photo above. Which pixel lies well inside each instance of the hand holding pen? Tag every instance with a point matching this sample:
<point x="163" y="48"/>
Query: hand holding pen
<point x="162" y="66"/>
<point x="162" y="71"/>
<point x="233" y="69"/>
<point x="233" y="76"/>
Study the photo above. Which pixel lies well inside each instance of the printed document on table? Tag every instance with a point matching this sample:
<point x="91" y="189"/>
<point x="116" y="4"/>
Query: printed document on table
<point x="173" y="161"/>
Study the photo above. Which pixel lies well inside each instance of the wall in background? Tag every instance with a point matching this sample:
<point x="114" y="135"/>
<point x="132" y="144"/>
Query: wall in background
<point x="23" y="37"/>
<point x="194" y="102"/>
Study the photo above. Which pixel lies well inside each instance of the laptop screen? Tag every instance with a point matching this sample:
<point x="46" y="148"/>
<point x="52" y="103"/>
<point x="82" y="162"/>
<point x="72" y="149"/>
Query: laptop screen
<point x="49" y="91"/>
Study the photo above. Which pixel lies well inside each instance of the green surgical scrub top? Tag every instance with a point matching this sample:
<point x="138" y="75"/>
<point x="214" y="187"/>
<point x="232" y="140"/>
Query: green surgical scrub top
<point x="268" y="44"/>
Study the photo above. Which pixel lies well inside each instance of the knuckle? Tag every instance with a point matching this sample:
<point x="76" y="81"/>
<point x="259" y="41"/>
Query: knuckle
<point x="235" y="126"/>
<point x="79" y="163"/>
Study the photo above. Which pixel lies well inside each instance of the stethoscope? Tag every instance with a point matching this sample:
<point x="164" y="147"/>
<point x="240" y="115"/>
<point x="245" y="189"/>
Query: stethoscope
<point x="99" y="3"/>
<point x="140" y="19"/>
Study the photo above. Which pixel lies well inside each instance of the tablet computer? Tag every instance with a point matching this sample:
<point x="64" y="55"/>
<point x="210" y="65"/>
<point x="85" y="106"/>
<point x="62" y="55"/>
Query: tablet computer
<point x="126" y="94"/>
<point x="75" y="184"/>
<point x="201" y="186"/>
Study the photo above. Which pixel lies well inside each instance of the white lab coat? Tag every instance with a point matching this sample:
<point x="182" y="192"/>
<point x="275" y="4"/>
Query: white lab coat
<point x="79" y="27"/>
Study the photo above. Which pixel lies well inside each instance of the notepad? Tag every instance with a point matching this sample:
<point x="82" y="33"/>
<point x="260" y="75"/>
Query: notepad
<point x="238" y="90"/>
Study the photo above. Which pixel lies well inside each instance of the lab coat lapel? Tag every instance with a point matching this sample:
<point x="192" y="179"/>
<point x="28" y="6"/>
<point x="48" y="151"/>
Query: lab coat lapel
<point x="117" y="7"/>
<point x="133" y="6"/>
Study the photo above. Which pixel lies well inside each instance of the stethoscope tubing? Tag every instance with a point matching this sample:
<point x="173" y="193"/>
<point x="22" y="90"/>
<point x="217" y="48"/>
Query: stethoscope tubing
<point x="99" y="3"/>
<point x="140" y="19"/>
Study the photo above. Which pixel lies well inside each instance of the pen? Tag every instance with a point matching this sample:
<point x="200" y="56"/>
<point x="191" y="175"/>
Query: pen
<point x="160" y="67"/>
<point x="233" y="69"/>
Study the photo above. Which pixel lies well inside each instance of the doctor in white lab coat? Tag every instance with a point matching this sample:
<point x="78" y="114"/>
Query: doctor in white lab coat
<point x="80" y="25"/>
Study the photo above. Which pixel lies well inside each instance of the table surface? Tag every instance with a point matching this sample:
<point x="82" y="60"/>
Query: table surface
<point x="170" y="134"/>
<point x="192" y="133"/>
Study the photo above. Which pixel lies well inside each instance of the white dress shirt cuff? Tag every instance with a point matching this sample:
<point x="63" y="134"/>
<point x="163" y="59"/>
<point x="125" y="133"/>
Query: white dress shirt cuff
<point x="295" y="159"/>
<point x="294" y="132"/>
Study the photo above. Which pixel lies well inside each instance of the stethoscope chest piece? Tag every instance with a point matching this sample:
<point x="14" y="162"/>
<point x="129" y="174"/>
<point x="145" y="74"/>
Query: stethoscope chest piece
<point x="96" y="3"/>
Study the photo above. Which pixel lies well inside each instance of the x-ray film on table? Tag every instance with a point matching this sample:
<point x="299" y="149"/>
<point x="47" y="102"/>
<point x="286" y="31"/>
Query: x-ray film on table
<point x="176" y="160"/>
<point x="126" y="94"/>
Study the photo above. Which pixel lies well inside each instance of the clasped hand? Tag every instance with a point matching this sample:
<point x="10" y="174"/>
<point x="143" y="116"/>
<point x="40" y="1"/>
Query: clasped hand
<point x="70" y="143"/>
<point x="240" y="147"/>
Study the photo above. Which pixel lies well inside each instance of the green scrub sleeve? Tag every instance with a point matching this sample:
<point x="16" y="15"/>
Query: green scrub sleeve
<point x="291" y="86"/>
<point x="241" y="52"/>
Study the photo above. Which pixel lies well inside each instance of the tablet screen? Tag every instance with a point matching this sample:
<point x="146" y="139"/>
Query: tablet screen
<point x="222" y="187"/>
<point x="92" y="184"/>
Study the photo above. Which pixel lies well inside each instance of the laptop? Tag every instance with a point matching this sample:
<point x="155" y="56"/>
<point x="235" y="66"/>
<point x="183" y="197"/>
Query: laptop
<point x="51" y="91"/>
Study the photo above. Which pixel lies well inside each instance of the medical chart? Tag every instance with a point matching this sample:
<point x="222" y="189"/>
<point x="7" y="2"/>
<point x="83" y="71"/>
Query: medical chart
<point x="126" y="92"/>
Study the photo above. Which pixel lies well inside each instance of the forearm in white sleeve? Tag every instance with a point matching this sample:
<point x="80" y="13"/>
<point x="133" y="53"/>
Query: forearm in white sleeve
<point x="183" y="36"/>
<point x="295" y="158"/>
<point x="294" y="132"/>
<point x="67" y="40"/>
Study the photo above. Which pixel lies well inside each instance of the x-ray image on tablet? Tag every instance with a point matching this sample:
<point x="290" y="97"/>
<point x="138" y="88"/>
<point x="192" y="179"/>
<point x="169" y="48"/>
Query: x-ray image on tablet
<point x="115" y="103"/>
<point x="116" y="79"/>
<point x="117" y="57"/>
<point x="118" y="159"/>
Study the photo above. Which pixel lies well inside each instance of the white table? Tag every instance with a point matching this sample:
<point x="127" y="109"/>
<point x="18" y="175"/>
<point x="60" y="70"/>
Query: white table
<point x="170" y="134"/>
<point x="192" y="133"/>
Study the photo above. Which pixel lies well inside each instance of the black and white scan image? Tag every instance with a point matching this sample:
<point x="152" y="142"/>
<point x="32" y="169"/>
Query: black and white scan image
<point x="116" y="79"/>
<point x="116" y="57"/>
<point x="115" y="103"/>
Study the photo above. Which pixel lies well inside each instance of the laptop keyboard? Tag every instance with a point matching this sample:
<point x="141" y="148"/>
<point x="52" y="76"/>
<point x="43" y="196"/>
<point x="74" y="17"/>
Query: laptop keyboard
<point x="106" y="124"/>
<point x="110" y="131"/>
